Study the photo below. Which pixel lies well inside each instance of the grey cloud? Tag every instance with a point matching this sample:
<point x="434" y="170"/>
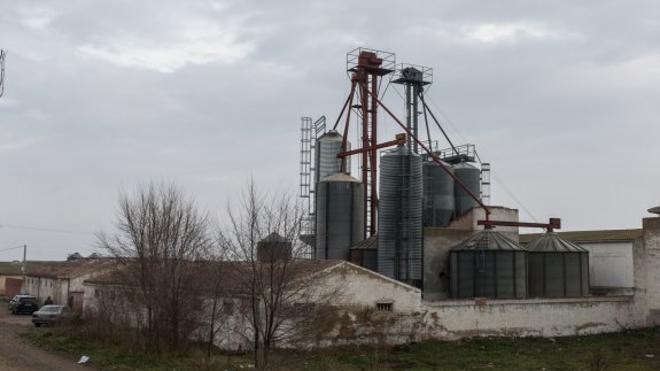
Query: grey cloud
<point x="560" y="97"/>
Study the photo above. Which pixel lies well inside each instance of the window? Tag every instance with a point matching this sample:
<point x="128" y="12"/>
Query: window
<point x="384" y="307"/>
<point x="228" y="307"/>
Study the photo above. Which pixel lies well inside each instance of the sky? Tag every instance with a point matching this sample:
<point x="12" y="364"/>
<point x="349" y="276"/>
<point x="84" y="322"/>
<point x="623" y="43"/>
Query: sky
<point x="562" y="98"/>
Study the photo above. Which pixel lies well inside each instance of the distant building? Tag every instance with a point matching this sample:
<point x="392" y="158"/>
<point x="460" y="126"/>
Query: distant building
<point x="63" y="281"/>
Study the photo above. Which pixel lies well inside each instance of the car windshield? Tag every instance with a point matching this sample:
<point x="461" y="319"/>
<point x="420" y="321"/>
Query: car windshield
<point x="27" y="299"/>
<point x="51" y="308"/>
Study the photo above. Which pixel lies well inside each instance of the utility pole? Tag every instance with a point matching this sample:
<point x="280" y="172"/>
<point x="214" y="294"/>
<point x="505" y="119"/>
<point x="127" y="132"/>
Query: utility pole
<point x="3" y="55"/>
<point x="24" y="262"/>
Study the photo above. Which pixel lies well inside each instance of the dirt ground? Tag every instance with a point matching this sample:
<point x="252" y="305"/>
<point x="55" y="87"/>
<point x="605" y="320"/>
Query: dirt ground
<point x="18" y="355"/>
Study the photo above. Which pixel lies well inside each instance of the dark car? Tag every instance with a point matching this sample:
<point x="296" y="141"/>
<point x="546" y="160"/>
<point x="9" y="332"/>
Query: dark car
<point x="16" y="299"/>
<point x="25" y="305"/>
<point x="51" y="315"/>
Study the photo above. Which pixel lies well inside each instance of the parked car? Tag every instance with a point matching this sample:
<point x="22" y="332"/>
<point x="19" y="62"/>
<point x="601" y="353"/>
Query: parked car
<point x="24" y="305"/>
<point x="16" y="298"/>
<point x="51" y="315"/>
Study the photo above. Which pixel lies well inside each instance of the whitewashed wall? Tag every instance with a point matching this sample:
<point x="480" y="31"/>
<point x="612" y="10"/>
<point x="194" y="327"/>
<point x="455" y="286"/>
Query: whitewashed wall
<point x="610" y="264"/>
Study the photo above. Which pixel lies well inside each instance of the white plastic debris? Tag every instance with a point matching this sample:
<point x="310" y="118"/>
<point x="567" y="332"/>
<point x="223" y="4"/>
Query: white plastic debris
<point x="83" y="359"/>
<point x="650" y="355"/>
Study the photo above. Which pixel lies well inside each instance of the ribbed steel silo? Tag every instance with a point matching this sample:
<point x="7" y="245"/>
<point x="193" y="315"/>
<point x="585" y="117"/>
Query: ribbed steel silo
<point x="400" y="216"/>
<point x="557" y="268"/>
<point x="439" y="201"/>
<point x="339" y="216"/>
<point x="326" y="162"/>
<point x="488" y="265"/>
<point x="471" y="177"/>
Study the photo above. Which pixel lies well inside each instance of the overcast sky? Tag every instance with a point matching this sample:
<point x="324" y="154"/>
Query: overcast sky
<point x="562" y="97"/>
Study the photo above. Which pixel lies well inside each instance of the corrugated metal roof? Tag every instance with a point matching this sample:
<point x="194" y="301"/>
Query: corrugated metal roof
<point x="340" y="177"/>
<point x="611" y="235"/>
<point x="13" y="268"/>
<point x="552" y="242"/>
<point x="72" y="269"/>
<point x="370" y="243"/>
<point x="488" y="240"/>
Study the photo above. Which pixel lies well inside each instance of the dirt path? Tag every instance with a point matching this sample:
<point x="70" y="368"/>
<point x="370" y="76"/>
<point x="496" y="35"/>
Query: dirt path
<point x="18" y="355"/>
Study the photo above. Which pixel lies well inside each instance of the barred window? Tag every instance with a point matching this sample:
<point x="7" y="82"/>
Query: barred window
<point x="384" y="307"/>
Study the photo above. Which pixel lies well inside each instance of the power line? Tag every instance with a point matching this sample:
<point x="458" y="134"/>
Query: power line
<point x="39" y="229"/>
<point x="498" y="180"/>
<point x="13" y="248"/>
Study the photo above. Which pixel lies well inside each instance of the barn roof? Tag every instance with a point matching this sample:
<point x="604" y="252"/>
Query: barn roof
<point x="609" y="235"/>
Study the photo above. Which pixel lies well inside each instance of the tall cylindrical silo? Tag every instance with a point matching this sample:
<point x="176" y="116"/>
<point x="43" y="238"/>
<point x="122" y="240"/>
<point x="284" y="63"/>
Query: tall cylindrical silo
<point x="400" y="216"/>
<point x="326" y="162"/>
<point x="439" y="202"/>
<point x="339" y="216"/>
<point x="471" y="177"/>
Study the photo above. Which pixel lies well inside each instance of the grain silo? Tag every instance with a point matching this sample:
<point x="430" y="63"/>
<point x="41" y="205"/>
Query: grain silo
<point x="488" y="265"/>
<point x="326" y="162"/>
<point x="471" y="177"/>
<point x="439" y="201"/>
<point x="339" y="216"/>
<point x="400" y="216"/>
<point x="557" y="268"/>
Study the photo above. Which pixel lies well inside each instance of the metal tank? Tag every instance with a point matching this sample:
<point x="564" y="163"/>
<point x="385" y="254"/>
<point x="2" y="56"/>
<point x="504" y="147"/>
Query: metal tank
<point x="439" y="202"/>
<point x="557" y="268"/>
<point x="339" y="216"/>
<point x="471" y="177"/>
<point x="273" y="248"/>
<point x="400" y="216"/>
<point x="326" y="162"/>
<point x="488" y="265"/>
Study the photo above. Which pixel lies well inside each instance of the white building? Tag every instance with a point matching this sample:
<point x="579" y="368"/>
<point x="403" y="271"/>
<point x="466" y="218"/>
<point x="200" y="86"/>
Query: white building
<point x="63" y="281"/>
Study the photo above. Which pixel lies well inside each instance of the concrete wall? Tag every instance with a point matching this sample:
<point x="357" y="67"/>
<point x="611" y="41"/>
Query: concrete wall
<point x="610" y="264"/>
<point x="357" y="321"/>
<point x="59" y="289"/>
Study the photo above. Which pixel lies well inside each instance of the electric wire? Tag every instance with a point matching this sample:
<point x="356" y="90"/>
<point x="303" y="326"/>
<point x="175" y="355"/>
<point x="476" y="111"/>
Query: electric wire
<point x="39" y="229"/>
<point x="12" y="248"/>
<point x="498" y="180"/>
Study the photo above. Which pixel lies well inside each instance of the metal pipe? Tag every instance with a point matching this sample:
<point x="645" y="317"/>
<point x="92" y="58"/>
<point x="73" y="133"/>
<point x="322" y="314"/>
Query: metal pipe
<point x="421" y="96"/>
<point x="437" y="160"/>
<point x="341" y="113"/>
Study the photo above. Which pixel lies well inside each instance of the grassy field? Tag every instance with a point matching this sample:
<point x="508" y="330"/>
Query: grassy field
<point x="632" y="350"/>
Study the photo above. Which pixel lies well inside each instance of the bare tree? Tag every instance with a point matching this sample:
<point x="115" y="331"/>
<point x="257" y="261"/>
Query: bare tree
<point x="161" y="236"/>
<point x="281" y="290"/>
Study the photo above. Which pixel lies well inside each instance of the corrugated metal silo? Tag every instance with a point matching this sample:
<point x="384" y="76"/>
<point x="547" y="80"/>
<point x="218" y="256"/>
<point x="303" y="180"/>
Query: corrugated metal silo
<point x="439" y="202"/>
<point x="400" y="216"/>
<point x="557" y="268"/>
<point x="326" y="162"/>
<point x="339" y="216"/>
<point x="471" y="177"/>
<point x="488" y="265"/>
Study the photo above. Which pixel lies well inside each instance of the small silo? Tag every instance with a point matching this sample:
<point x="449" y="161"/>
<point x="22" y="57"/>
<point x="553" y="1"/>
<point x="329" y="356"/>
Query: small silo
<point x="471" y="177"/>
<point x="488" y="265"/>
<point x="400" y="216"/>
<point x="339" y="216"/>
<point x="557" y="268"/>
<point x="439" y="202"/>
<point x="326" y="162"/>
<point x="273" y="248"/>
